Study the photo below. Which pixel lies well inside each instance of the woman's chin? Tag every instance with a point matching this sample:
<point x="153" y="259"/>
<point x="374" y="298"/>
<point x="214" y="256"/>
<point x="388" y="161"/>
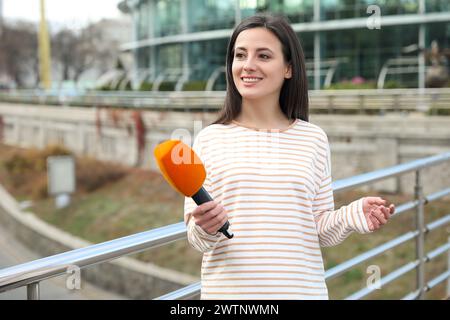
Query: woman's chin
<point x="249" y="94"/>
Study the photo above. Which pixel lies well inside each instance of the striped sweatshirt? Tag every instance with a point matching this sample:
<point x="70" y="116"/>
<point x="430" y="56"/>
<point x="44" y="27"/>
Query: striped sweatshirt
<point x="275" y="186"/>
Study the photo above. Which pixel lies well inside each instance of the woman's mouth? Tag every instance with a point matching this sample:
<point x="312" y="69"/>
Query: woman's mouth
<point x="250" y="80"/>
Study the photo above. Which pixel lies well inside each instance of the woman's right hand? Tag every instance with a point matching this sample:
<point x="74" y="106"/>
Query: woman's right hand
<point x="210" y="216"/>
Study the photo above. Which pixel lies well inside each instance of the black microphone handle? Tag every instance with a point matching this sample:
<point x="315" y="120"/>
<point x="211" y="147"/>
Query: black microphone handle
<point x="203" y="196"/>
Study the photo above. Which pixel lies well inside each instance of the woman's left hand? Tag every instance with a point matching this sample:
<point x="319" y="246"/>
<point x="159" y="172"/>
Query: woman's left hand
<point x="377" y="212"/>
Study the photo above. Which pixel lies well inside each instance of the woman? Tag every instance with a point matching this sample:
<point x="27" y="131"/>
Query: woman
<point x="268" y="171"/>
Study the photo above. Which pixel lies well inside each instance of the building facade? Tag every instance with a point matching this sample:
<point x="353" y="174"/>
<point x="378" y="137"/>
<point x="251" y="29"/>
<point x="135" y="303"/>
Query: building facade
<point x="181" y="44"/>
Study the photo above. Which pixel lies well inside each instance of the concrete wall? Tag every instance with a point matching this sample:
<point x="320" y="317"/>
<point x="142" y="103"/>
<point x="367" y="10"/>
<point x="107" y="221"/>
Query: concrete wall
<point x="358" y="143"/>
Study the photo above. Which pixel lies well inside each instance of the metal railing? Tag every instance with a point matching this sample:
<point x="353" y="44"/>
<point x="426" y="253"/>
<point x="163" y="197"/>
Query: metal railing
<point x="323" y="101"/>
<point x="30" y="274"/>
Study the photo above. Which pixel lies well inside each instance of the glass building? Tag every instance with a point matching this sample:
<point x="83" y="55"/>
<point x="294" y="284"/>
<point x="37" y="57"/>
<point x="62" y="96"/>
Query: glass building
<point x="181" y="44"/>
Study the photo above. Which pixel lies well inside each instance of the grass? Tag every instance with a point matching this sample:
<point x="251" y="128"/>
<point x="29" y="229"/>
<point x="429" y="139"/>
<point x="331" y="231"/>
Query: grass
<point x="140" y="200"/>
<point x="356" y="278"/>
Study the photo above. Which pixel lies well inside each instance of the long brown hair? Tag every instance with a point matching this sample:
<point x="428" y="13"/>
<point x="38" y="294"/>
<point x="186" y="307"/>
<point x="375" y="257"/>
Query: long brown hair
<point x="293" y="100"/>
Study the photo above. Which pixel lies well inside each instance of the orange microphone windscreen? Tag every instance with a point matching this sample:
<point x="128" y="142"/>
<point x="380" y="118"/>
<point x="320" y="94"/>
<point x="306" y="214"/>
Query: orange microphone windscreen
<point x="180" y="166"/>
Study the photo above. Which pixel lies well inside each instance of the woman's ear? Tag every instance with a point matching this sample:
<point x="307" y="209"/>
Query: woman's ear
<point x="288" y="73"/>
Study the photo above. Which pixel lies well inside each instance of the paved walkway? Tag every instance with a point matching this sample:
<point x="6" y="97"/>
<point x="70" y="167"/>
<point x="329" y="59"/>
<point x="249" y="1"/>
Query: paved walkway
<point x="12" y="252"/>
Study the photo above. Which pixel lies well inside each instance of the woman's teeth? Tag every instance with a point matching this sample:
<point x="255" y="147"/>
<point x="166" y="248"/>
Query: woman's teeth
<point x="251" y="79"/>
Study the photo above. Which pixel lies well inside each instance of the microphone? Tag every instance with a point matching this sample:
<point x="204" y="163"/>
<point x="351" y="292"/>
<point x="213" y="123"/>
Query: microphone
<point x="185" y="172"/>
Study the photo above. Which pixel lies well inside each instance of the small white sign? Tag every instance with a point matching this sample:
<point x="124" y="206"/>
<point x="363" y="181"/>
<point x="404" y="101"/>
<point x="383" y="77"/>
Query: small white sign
<point x="61" y="174"/>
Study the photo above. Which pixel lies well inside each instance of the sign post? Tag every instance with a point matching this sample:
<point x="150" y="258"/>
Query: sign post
<point x="61" y="179"/>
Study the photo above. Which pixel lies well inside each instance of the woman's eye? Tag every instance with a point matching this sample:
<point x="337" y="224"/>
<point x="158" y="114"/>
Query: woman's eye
<point x="264" y="56"/>
<point x="239" y="55"/>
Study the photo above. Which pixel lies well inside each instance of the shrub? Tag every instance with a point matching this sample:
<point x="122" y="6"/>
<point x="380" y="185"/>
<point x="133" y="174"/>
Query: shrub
<point x="93" y="174"/>
<point x="105" y="87"/>
<point x="348" y="85"/>
<point x="33" y="159"/>
<point x="392" y="84"/>
<point x="199" y="85"/>
<point x="436" y="111"/>
<point x="27" y="170"/>
<point x="167" y="86"/>
<point x="146" y="86"/>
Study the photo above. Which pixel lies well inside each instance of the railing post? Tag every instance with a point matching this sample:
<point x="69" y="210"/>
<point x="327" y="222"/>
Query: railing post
<point x="420" y="240"/>
<point x="448" y="268"/>
<point x="33" y="291"/>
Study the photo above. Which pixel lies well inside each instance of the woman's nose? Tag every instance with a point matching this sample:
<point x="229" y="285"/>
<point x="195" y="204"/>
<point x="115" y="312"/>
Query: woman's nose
<point x="249" y="64"/>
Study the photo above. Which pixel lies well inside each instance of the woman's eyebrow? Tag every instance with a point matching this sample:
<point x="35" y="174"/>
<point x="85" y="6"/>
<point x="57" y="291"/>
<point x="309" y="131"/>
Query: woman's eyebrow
<point x="257" y="50"/>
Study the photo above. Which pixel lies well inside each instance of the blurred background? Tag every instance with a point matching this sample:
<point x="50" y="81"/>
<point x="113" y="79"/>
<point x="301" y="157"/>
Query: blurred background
<point x="102" y="82"/>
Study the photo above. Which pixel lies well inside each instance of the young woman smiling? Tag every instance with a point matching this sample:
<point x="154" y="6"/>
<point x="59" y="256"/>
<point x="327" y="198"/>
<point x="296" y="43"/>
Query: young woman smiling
<point x="269" y="171"/>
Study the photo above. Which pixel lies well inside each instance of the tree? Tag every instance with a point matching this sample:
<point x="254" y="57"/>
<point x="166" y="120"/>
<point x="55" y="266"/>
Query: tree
<point x="18" y="53"/>
<point x="64" y="43"/>
<point x="80" y="51"/>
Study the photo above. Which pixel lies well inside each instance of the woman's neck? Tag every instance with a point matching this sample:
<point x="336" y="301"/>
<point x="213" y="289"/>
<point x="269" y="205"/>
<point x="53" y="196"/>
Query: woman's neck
<point x="262" y="114"/>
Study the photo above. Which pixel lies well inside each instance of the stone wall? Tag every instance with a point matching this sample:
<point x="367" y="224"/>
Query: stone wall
<point x="358" y="143"/>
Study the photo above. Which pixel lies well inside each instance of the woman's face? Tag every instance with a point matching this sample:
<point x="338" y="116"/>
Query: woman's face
<point x="258" y="68"/>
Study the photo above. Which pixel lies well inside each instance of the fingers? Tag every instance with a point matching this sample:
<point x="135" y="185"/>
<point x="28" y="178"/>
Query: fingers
<point x="385" y="212"/>
<point x="210" y="216"/>
<point x="374" y="224"/>
<point x="213" y="217"/>
<point x="215" y="228"/>
<point x="392" y="209"/>
<point x="203" y="208"/>
<point x="380" y="215"/>
<point x="376" y="201"/>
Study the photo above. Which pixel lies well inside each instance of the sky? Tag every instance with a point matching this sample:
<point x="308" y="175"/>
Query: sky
<point x="68" y="13"/>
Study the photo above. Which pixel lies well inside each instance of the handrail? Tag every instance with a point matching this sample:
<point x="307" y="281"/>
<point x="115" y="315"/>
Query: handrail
<point x="384" y="100"/>
<point x="406" y="268"/>
<point x="386" y="279"/>
<point x="33" y="272"/>
<point x="41" y="269"/>
<point x="370" y="177"/>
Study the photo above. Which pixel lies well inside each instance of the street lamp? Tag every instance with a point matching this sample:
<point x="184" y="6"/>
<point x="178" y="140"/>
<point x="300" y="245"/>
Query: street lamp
<point x="44" y="51"/>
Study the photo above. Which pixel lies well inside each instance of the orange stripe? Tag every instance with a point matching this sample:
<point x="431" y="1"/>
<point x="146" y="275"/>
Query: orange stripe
<point x="315" y="133"/>
<point x="235" y="148"/>
<point x="274" y="229"/>
<point x="263" y="195"/>
<point x="210" y="254"/>
<point x="236" y="174"/>
<point x="298" y="217"/>
<point x="233" y="128"/>
<point x="270" y="143"/>
<point x="265" y="236"/>
<point x="277" y="163"/>
<point x="265" y="222"/>
<point x="255" y="202"/>
<point x="257" y="271"/>
<point x="258" y="265"/>
<point x="261" y="286"/>
<point x="266" y="243"/>
<point x="226" y="190"/>
<point x="281" y="140"/>
<point x="261" y="181"/>
<point x="266" y="293"/>
<point x="230" y="258"/>
<point x="267" y="156"/>
<point x="213" y="176"/>
<point x="265" y="278"/>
